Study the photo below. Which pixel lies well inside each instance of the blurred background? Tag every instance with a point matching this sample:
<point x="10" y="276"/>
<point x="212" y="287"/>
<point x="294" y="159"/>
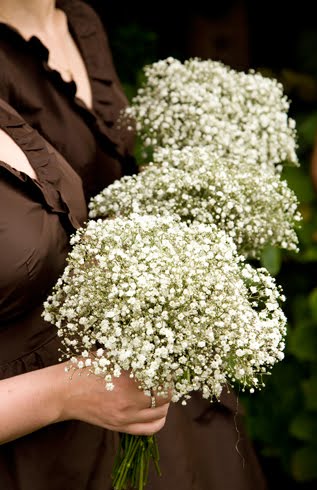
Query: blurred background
<point x="279" y="39"/>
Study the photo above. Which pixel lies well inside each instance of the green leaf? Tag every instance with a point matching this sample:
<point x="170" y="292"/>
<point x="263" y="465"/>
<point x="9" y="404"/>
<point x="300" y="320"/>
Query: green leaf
<point x="309" y="255"/>
<point x="300" y="182"/>
<point x="304" y="427"/>
<point x="299" y="307"/>
<point x="313" y="369"/>
<point x="271" y="259"/>
<point x="313" y="305"/>
<point x="307" y="127"/>
<point x="302" y="342"/>
<point x="129" y="90"/>
<point x="304" y="464"/>
<point x="310" y="392"/>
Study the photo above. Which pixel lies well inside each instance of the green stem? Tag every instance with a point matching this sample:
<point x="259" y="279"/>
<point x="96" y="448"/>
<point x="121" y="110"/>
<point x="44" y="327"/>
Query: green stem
<point x="132" y="461"/>
<point x="125" y="464"/>
<point x="141" y="479"/>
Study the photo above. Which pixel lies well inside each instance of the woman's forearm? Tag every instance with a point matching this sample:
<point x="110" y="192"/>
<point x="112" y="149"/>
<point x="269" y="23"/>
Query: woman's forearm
<point x="39" y="398"/>
<point x="31" y="401"/>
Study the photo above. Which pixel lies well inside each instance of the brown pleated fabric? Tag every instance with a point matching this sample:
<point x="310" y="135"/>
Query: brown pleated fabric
<point x="202" y="446"/>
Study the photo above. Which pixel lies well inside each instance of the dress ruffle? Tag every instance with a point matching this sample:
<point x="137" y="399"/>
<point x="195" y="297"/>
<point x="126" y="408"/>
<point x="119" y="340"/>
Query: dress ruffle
<point x="88" y="31"/>
<point x="55" y="177"/>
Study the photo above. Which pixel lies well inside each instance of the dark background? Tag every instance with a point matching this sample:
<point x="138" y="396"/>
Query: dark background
<point x="241" y="33"/>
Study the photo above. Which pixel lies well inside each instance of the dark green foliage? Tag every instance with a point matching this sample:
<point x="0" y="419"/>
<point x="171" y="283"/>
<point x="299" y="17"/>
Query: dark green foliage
<point x="282" y="418"/>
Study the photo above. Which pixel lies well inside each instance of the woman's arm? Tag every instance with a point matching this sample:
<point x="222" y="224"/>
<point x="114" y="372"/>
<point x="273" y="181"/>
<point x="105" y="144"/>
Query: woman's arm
<point x="33" y="400"/>
<point x="30" y="401"/>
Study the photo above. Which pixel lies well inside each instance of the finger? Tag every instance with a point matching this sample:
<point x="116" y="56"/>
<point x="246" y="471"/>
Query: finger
<point x="161" y="400"/>
<point x="137" y="415"/>
<point x="152" y="414"/>
<point x="157" y="399"/>
<point x="148" y="415"/>
<point x="152" y="401"/>
<point x="145" y="429"/>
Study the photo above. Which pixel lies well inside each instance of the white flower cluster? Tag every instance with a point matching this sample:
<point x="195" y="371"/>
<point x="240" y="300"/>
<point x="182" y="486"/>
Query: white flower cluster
<point x="198" y="185"/>
<point x="199" y="103"/>
<point x="174" y="304"/>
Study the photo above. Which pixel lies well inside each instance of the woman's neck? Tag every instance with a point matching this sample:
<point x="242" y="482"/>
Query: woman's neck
<point x="28" y="15"/>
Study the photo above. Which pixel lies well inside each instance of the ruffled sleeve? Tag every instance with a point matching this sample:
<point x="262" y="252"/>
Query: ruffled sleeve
<point x="59" y="185"/>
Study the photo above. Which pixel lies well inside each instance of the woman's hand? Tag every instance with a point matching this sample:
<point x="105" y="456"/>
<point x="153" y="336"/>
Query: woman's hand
<point x="45" y="396"/>
<point x="124" y="409"/>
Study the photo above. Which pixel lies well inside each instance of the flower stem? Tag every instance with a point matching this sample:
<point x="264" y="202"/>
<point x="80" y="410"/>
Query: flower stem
<point x="132" y="461"/>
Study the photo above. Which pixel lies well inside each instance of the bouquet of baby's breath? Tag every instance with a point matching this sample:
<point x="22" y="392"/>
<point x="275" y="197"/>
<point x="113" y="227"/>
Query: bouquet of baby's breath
<point x="173" y="304"/>
<point x="199" y="103"/>
<point x="196" y="184"/>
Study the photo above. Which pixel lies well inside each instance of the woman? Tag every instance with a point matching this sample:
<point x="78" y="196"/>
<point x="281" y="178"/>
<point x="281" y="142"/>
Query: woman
<point x="56" y="70"/>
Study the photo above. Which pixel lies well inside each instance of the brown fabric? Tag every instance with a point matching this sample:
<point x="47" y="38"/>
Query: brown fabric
<point x="88" y="139"/>
<point x="198" y="443"/>
<point x="203" y="446"/>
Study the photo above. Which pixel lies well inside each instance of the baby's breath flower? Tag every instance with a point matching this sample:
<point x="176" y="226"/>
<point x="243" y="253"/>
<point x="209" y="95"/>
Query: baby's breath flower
<point x="204" y="102"/>
<point x="196" y="184"/>
<point x="175" y="305"/>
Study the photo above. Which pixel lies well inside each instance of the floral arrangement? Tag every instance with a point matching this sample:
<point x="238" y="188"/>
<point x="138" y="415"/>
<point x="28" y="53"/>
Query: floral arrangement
<point x="174" y="304"/>
<point x="163" y="290"/>
<point x="198" y="103"/>
<point x="198" y="185"/>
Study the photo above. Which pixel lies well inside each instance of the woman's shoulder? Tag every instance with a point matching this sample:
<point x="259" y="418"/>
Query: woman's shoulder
<point x="81" y="12"/>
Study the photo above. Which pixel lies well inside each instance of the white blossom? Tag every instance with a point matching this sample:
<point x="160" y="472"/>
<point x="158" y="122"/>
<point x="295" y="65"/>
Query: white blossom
<point x="199" y="316"/>
<point x="204" y="102"/>
<point x="196" y="184"/>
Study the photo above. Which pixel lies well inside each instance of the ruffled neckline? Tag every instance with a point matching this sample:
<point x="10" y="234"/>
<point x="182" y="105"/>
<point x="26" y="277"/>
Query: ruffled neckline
<point x="45" y="165"/>
<point x="84" y="33"/>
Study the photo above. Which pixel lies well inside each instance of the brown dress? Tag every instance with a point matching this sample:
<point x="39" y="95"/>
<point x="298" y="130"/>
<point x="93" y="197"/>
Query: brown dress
<point x="199" y="444"/>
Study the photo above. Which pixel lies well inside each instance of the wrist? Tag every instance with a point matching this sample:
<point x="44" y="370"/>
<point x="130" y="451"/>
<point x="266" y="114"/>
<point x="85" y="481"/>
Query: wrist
<point x="61" y="392"/>
<point x="72" y="391"/>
